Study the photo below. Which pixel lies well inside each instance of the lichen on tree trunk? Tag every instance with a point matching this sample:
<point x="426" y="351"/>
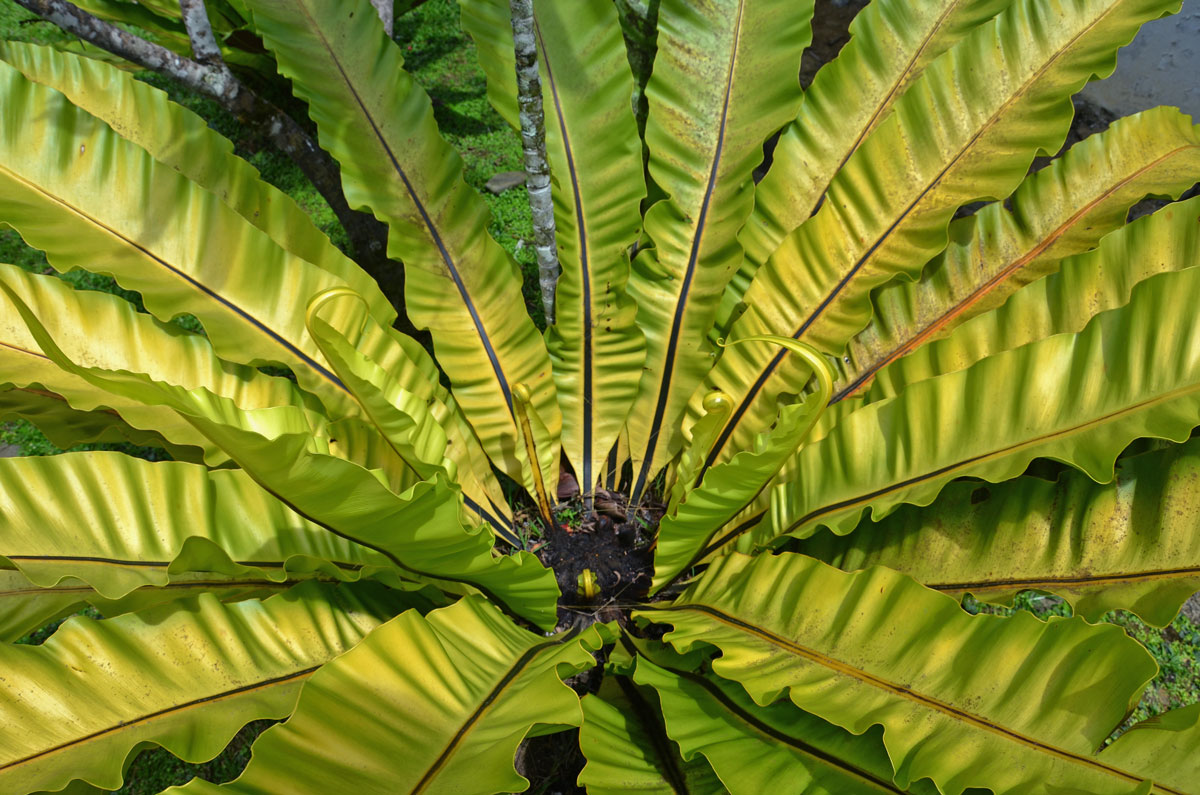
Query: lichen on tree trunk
<point x="533" y="142"/>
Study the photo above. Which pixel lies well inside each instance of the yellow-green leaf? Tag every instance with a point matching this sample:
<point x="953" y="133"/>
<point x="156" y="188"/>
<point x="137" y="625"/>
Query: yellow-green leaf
<point x="114" y="335"/>
<point x="66" y="427"/>
<point x="114" y="684"/>
<point x="754" y="749"/>
<point x="1162" y="748"/>
<point x="418" y="530"/>
<point x="967" y="129"/>
<point x="424" y="432"/>
<point x="596" y="179"/>
<point x="1064" y="209"/>
<point x="459" y="283"/>
<point x="1132" y="544"/>
<point x="1079" y="398"/>
<point x="147" y="523"/>
<point x="891" y="43"/>
<point x="627" y="748"/>
<point x="725" y="78"/>
<point x="728" y="488"/>
<point x="175" y="136"/>
<point x="90" y="199"/>
<point x="433" y="704"/>
<point x="1008" y="703"/>
<point x="26" y="606"/>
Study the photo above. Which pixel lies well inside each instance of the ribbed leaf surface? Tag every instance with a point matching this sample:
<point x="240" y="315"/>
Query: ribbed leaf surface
<point x="26" y="606"/>
<point x="66" y="427"/>
<point x="182" y="140"/>
<point x="80" y="319"/>
<point x="426" y="434"/>
<point x="433" y="704"/>
<point x="966" y="129"/>
<point x="1132" y="544"/>
<point x="1162" y="747"/>
<point x="627" y="748"/>
<point x="1012" y="704"/>
<point x="755" y="749"/>
<point x="459" y="283"/>
<point x="147" y="523"/>
<point x="727" y="489"/>
<point x="1063" y="302"/>
<point x="1079" y="398"/>
<point x="596" y="179"/>
<point x="185" y="679"/>
<point x="417" y="530"/>
<point x="1061" y="210"/>
<point x="403" y="359"/>
<point x="725" y="78"/>
<point x="90" y="199"/>
<point x="891" y="43"/>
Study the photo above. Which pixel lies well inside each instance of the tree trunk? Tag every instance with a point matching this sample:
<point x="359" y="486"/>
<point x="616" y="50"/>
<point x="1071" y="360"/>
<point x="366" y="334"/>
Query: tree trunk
<point x="533" y="140"/>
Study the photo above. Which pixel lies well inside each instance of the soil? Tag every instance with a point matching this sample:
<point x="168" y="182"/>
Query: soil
<point x="614" y="541"/>
<point x="552" y="762"/>
<point x="830" y="32"/>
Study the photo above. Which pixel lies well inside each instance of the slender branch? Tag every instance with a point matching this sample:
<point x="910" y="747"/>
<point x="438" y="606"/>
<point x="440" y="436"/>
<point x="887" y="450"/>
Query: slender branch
<point x="210" y="76"/>
<point x="200" y="33"/>
<point x="533" y="140"/>
<point x="198" y="77"/>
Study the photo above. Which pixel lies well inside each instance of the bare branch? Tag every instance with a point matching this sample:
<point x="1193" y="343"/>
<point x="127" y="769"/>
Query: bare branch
<point x="200" y="33"/>
<point x="533" y="140"/>
<point x="106" y="36"/>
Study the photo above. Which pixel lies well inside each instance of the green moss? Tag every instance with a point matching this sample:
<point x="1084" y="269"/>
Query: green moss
<point x="17" y="24"/>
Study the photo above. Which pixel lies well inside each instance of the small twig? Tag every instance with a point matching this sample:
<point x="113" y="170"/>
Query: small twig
<point x="533" y="140"/>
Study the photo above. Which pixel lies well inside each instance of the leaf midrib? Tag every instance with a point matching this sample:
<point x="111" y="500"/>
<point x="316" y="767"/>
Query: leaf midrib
<point x="887" y="101"/>
<point x="245" y="315"/>
<point x="205" y="585"/>
<point x="497" y="690"/>
<point x="447" y="260"/>
<point x="773" y="735"/>
<point x="685" y="284"/>
<point x="765" y="374"/>
<point x="863" y="500"/>
<point x="1147" y="575"/>
<point x="100" y="559"/>
<point x="937" y="705"/>
<point x="587" y="365"/>
<point x="866" y="374"/>
<point x="1174" y="394"/>
<point x="175" y="708"/>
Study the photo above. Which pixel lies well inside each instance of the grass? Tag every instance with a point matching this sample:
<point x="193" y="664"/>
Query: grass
<point x="17" y="24"/>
